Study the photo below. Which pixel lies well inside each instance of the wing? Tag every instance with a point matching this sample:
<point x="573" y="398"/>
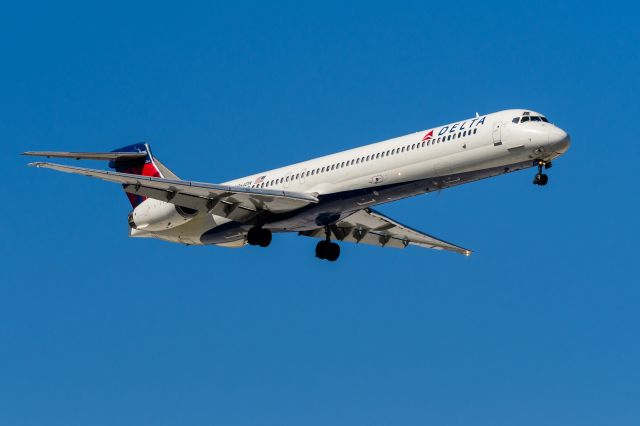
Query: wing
<point x="370" y="227"/>
<point x="237" y="203"/>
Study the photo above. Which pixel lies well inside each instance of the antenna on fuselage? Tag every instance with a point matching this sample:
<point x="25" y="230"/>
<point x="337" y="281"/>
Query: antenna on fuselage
<point x="477" y="115"/>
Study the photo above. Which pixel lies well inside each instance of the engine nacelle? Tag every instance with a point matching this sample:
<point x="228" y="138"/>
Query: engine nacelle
<point x="155" y="215"/>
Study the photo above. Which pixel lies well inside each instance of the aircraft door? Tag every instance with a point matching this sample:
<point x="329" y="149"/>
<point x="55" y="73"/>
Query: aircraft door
<point x="497" y="133"/>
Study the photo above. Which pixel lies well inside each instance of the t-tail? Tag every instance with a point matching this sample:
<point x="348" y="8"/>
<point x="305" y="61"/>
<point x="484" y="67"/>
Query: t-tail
<point x="135" y="159"/>
<point x="143" y="166"/>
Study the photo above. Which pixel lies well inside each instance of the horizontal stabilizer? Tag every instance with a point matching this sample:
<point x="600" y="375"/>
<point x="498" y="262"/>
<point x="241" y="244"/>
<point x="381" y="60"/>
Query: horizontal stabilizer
<point x="111" y="156"/>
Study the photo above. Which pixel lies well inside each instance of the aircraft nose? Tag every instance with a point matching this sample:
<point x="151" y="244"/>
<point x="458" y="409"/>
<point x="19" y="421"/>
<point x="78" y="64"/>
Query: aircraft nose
<point x="559" y="140"/>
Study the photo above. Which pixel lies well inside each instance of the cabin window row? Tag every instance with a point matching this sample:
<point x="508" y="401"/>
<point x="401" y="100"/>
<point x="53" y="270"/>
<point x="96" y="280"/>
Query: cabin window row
<point x="364" y="159"/>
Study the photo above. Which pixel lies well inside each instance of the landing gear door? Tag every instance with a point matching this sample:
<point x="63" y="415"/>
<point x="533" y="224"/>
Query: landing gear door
<point x="497" y="133"/>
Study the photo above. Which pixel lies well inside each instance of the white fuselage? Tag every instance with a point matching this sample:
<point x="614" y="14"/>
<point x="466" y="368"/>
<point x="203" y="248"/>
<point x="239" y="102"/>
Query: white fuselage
<point x="434" y="158"/>
<point x="473" y="144"/>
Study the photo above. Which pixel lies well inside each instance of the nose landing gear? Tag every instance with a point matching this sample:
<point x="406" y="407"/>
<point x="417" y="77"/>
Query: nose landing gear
<point x="327" y="250"/>
<point x="540" y="178"/>
<point x="258" y="236"/>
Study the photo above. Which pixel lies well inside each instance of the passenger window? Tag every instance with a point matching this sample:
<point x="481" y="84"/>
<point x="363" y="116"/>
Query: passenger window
<point x="459" y="134"/>
<point x="475" y="131"/>
<point x="423" y="143"/>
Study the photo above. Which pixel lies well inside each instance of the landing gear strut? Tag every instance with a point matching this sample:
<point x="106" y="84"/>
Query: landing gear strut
<point x="327" y="250"/>
<point x="258" y="236"/>
<point x="540" y="178"/>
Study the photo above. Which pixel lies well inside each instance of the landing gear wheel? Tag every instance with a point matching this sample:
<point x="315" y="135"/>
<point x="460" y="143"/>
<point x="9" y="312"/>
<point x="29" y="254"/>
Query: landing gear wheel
<point x="334" y="252"/>
<point x="253" y="236"/>
<point x="265" y="238"/>
<point x="544" y="179"/>
<point x="540" y="178"/>
<point x="322" y="249"/>
<point x="259" y="237"/>
<point x="327" y="250"/>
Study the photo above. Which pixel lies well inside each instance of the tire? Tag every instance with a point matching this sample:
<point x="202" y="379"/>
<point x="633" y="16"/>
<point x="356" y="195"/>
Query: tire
<point x="322" y="249"/>
<point x="333" y="252"/>
<point x="544" y="179"/>
<point x="265" y="238"/>
<point x="536" y="179"/>
<point x="253" y="236"/>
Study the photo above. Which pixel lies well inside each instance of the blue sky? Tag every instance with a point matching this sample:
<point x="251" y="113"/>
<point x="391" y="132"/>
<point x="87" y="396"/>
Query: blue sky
<point x="539" y="326"/>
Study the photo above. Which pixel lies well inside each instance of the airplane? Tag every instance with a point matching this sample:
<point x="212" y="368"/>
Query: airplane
<point x="330" y="197"/>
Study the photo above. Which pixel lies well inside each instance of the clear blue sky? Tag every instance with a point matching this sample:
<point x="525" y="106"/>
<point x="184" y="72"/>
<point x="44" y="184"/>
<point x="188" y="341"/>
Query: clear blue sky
<point x="539" y="326"/>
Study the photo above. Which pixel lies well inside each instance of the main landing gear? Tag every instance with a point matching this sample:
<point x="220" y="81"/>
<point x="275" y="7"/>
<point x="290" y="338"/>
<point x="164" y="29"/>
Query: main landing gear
<point x="540" y="178"/>
<point x="258" y="236"/>
<point x="327" y="250"/>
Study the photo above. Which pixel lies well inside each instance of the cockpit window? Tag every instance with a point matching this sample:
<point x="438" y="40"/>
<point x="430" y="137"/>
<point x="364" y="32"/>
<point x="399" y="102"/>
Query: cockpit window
<point x="526" y="116"/>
